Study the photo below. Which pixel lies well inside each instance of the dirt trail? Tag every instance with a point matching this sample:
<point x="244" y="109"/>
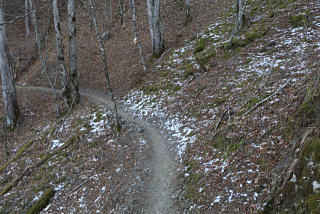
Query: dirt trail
<point x="161" y="186"/>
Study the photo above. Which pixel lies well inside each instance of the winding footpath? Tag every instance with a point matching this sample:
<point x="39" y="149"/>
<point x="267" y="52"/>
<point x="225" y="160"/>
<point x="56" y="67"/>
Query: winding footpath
<point x="161" y="186"/>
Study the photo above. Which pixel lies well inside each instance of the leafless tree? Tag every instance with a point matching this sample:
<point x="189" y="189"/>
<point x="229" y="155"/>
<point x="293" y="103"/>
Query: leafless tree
<point x="241" y="6"/>
<point x="8" y="87"/>
<point x="156" y="26"/>
<point x="42" y="59"/>
<point x="136" y="38"/>
<point x="73" y="52"/>
<point x="110" y="13"/>
<point x="26" y="13"/>
<point x="105" y="66"/>
<point x="188" y="15"/>
<point x="66" y="91"/>
<point x="121" y="11"/>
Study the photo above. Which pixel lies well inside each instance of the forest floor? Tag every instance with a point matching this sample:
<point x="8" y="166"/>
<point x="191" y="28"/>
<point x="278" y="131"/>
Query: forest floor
<point x="157" y="173"/>
<point x="205" y="130"/>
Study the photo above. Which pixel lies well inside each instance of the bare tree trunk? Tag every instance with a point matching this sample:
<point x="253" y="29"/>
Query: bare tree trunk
<point x="8" y="87"/>
<point x="66" y="93"/>
<point x="111" y="18"/>
<point x="26" y="13"/>
<point x="105" y="66"/>
<point x="241" y="4"/>
<point x="237" y="6"/>
<point x="121" y="11"/>
<point x="106" y="18"/>
<point x="156" y="27"/>
<point x="6" y="150"/>
<point x="73" y="52"/>
<point x="188" y="15"/>
<point x="43" y="62"/>
<point x="135" y="31"/>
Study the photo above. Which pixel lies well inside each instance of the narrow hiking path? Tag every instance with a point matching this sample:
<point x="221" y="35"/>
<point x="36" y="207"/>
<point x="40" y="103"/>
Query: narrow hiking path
<point x="162" y="183"/>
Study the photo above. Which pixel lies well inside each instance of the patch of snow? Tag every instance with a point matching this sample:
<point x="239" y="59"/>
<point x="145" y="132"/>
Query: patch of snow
<point x="217" y="199"/>
<point x="294" y="178"/>
<point x="56" y="143"/>
<point x="315" y="186"/>
<point x="38" y="196"/>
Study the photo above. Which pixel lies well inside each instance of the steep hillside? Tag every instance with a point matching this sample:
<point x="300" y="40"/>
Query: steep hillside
<point x="225" y="108"/>
<point x="74" y="163"/>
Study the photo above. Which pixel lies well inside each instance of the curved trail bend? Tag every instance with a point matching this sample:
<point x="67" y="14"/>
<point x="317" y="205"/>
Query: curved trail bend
<point x="161" y="186"/>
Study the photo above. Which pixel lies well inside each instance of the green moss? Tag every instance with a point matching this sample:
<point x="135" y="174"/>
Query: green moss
<point x="200" y="45"/>
<point x="191" y="165"/>
<point x="226" y="145"/>
<point x="151" y="88"/>
<point x="79" y="121"/>
<point x="226" y="54"/>
<point x="192" y="191"/>
<point x="164" y="74"/>
<point x="17" y="156"/>
<point x="312" y="149"/>
<point x="72" y="139"/>
<point x="299" y="197"/>
<point x="249" y="38"/>
<point x="255" y="34"/>
<point x="98" y="117"/>
<point x="313" y="203"/>
<point x="205" y="58"/>
<point x="5" y="208"/>
<point x="235" y="43"/>
<point x="45" y="157"/>
<point x="252" y="102"/>
<point x="42" y="202"/>
<point x="188" y="73"/>
<point x="271" y="15"/>
<point x="298" y="20"/>
<point x="218" y="101"/>
<point x="171" y="88"/>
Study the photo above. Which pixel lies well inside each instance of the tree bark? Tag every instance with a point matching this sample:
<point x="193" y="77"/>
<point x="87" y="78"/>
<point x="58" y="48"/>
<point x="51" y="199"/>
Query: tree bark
<point x="66" y="92"/>
<point x="111" y="18"/>
<point x="156" y="27"/>
<point x="73" y="52"/>
<point x="136" y="38"/>
<point x="121" y="11"/>
<point x="105" y="66"/>
<point x="43" y="61"/>
<point x="242" y="7"/>
<point x="8" y="87"/>
<point x="26" y="13"/>
<point x="188" y="15"/>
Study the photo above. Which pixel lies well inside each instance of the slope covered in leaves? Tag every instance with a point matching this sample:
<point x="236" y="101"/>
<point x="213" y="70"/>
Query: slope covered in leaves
<point x="71" y="164"/>
<point x="224" y="108"/>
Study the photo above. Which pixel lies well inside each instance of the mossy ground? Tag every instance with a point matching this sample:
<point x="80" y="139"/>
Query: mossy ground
<point x="299" y="195"/>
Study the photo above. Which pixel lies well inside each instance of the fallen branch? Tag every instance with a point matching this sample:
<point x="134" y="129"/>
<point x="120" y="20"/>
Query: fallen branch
<point x="262" y="84"/>
<point x="30" y="169"/>
<point x="162" y="55"/>
<point x="289" y="175"/>
<point x="266" y="99"/>
<point x="218" y="124"/>
<point x="13" y="20"/>
<point x="295" y="162"/>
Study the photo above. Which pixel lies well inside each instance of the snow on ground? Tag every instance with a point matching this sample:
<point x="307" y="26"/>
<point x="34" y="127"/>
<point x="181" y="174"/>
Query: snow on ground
<point x="287" y="59"/>
<point x="154" y="111"/>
